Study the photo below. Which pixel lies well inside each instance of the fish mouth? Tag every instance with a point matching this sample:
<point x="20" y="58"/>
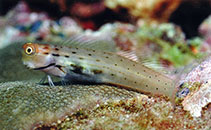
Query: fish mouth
<point x="44" y="67"/>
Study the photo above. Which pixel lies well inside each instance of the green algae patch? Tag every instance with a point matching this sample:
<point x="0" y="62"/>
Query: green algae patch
<point x="26" y="105"/>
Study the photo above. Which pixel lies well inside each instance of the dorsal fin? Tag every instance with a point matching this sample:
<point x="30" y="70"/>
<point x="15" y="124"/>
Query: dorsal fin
<point x="102" y="42"/>
<point x="128" y="54"/>
<point x="152" y="64"/>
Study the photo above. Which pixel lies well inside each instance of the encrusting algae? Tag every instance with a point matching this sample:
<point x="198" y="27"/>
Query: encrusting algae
<point x="27" y="106"/>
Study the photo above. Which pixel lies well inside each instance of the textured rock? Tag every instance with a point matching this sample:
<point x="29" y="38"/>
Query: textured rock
<point x="25" y="105"/>
<point x="198" y="99"/>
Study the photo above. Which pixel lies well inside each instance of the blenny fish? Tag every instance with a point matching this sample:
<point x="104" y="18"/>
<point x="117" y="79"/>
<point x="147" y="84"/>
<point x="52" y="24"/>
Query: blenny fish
<point x="85" y="64"/>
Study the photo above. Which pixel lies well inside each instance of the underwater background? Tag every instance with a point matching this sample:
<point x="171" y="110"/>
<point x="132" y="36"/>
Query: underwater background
<point x="171" y="36"/>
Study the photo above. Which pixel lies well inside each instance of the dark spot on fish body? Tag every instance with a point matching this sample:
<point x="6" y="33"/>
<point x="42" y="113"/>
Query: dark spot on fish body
<point x="150" y="77"/>
<point x="156" y="88"/>
<point x="128" y="68"/>
<point x="146" y="85"/>
<point x="110" y="54"/>
<point x="90" y="54"/>
<point x="158" y="80"/>
<point x="115" y="64"/>
<point x="77" y="69"/>
<point x="76" y="48"/>
<point x="121" y="59"/>
<point x="56" y="55"/>
<point x="97" y="60"/>
<point x="73" y="65"/>
<point x="73" y="52"/>
<point x="66" y="56"/>
<point x="112" y="74"/>
<point x="97" y="71"/>
<point x="46" y="53"/>
<point x="138" y="72"/>
<point x="81" y="58"/>
<point x="56" y="49"/>
<point x="107" y="57"/>
<point x="93" y="50"/>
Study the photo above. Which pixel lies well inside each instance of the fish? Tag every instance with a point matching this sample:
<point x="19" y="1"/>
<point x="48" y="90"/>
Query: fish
<point x="85" y="64"/>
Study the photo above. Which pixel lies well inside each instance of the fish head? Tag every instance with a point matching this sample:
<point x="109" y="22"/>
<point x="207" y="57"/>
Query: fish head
<point x="36" y="55"/>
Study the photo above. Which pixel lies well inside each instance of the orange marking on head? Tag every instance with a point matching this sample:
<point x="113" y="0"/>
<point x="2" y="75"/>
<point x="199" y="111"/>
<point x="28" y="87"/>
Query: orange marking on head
<point x="56" y="49"/>
<point x="27" y="45"/>
<point x="43" y="48"/>
<point x="36" y="48"/>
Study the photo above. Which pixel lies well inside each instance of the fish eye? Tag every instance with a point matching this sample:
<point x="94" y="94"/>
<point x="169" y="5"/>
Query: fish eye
<point x="29" y="50"/>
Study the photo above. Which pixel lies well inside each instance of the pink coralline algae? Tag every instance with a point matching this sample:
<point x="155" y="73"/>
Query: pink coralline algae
<point x="198" y="81"/>
<point x="201" y="73"/>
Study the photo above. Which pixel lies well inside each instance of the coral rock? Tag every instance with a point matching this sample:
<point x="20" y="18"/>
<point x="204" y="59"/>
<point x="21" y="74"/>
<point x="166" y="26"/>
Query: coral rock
<point x="158" y="10"/>
<point x="198" y="99"/>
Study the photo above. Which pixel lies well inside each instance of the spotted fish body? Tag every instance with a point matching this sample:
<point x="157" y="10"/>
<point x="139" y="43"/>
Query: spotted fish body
<point x="89" y="65"/>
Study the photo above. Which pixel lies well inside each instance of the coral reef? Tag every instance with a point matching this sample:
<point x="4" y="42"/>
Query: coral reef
<point x="198" y="99"/>
<point x="166" y="42"/>
<point x="20" y="24"/>
<point x="197" y="84"/>
<point x="158" y="10"/>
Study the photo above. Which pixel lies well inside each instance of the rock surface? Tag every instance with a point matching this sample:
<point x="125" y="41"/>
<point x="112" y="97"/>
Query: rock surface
<point x="25" y="105"/>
